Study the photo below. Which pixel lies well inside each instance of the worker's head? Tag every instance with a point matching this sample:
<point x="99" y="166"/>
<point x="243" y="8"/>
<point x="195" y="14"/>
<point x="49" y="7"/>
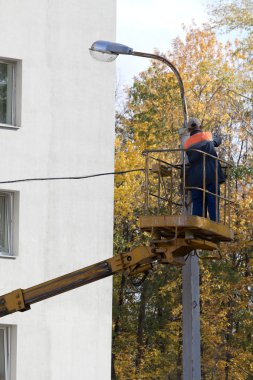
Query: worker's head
<point x="193" y="124"/>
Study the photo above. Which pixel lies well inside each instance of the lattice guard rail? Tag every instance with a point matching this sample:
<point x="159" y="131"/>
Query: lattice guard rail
<point x="165" y="188"/>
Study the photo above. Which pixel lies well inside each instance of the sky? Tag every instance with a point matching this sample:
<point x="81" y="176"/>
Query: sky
<point x="145" y="25"/>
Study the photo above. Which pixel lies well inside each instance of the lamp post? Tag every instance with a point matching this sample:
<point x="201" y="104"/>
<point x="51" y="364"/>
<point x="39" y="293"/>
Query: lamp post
<point x="108" y="51"/>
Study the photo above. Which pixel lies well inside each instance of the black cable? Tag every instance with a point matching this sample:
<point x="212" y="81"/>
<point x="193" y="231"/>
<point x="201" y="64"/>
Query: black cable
<point x="67" y="178"/>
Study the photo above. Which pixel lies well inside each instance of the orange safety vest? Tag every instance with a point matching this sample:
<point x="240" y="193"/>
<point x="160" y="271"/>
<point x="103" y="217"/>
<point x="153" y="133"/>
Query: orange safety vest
<point x="197" y="138"/>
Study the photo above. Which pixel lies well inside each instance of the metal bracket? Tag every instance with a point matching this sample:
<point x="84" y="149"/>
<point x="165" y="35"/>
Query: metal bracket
<point x="11" y="302"/>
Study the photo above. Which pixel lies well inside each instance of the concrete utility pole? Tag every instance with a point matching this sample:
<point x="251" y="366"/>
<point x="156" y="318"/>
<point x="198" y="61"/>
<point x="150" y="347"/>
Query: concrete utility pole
<point x="191" y="320"/>
<point x="191" y="307"/>
<point x="108" y="51"/>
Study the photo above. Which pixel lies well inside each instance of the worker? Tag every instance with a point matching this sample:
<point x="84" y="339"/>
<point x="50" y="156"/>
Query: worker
<point x="205" y="142"/>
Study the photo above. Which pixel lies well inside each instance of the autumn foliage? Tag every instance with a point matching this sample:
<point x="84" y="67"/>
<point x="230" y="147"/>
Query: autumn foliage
<point x="147" y="325"/>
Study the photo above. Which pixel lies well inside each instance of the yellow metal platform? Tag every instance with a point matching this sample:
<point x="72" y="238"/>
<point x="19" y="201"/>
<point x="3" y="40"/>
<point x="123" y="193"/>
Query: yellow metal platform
<point x="177" y="225"/>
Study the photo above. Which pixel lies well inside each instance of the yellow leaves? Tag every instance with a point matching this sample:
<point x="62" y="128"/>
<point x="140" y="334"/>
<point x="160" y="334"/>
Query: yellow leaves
<point x="128" y="196"/>
<point x="152" y="117"/>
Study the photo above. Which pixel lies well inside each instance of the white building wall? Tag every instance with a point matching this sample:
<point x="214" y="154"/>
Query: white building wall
<point x="67" y="129"/>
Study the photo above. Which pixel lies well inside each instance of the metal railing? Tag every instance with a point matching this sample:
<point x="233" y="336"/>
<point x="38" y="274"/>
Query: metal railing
<point x="167" y="189"/>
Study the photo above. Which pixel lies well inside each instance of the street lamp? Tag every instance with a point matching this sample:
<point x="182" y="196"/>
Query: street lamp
<point x="108" y="51"/>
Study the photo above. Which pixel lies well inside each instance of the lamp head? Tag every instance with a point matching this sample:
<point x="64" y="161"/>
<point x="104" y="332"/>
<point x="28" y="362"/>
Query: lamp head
<point x="108" y="51"/>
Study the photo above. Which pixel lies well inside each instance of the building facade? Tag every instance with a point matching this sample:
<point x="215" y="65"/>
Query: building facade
<point x="56" y="120"/>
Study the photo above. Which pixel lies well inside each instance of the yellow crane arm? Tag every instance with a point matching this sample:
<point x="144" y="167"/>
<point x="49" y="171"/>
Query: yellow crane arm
<point x="21" y="299"/>
<point x="138" y="260"/>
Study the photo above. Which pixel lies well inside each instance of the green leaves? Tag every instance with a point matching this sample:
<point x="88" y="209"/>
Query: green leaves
<point x="237" y="16"/>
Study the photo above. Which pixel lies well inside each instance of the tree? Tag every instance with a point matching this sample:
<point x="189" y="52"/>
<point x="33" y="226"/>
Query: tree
<point x="235" y="15"/>
<point x="147" y="336"/>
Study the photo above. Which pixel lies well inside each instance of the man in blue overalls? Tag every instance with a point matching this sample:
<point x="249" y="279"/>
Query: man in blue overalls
<point x="204" y="142"/>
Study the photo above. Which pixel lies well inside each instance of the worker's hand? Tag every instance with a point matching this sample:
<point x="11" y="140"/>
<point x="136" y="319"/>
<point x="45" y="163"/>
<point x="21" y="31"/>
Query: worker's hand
<point x="216" y="139"/>
<point x="217" y="129"/>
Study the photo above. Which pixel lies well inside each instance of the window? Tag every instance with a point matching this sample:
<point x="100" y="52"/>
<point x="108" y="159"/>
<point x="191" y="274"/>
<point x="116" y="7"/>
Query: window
<point x="4" y="353"/>
<point x="8" y="214"/>
<point x="10" y="84"/>
<point x="7" y="352"/>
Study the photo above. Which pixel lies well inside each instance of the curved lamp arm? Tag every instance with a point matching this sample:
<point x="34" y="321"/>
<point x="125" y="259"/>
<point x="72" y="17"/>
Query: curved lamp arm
<point x="108" y="51"/>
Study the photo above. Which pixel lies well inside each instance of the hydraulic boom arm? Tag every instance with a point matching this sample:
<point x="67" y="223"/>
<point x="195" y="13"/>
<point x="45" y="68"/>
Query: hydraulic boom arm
<point x="138" y="260"/>
<point x="21" y="299"/>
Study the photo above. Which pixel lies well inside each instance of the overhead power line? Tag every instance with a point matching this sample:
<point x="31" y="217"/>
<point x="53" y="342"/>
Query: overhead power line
<point x="71" y="178"/>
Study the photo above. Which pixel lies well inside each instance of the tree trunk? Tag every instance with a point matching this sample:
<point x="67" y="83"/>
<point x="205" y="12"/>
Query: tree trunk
<point x="116" y="329"/>
<point x="179" y="355"/>
<point x="228" y="336"/>
<point x="140" y="327"/>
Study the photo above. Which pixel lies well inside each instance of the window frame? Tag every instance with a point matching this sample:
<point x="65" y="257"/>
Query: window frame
<point x="7" y="350"/>
<point x="13" y="205"/>
<point x="10" y="346"/>
<point x="15" y="93"/>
